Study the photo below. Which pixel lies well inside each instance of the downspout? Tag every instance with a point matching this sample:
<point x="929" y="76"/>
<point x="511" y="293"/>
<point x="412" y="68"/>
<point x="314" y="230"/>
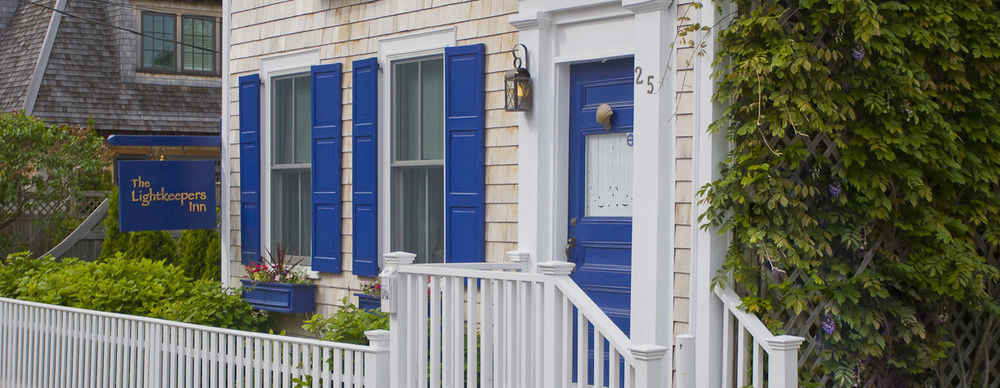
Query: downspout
<point x="224" y="233"/>
<point x="43" y="58"/>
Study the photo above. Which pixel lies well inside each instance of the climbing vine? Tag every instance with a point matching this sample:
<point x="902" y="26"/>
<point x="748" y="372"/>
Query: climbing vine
<point x="863" y="182"/>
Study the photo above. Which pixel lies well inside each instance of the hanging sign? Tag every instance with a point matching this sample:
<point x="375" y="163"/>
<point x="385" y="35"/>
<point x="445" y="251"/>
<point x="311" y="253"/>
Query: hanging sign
<point x="165" y="195"/>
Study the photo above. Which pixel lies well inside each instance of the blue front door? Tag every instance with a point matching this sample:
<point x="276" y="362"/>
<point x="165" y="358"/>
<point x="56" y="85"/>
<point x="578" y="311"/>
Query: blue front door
<point x="600" y="187"/>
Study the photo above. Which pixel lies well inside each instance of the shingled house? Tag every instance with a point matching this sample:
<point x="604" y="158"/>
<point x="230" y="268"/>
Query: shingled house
<point x="132" y="66"/>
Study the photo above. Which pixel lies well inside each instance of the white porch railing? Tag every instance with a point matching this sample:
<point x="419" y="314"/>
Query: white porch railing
<point x="750" y="350"/>
<point x="491" y="325"/>
<point x="44" y="345"/>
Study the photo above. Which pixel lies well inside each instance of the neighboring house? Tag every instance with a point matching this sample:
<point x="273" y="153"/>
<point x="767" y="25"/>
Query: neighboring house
<point x="359" y="128"/>
<point x="76" y="61"/>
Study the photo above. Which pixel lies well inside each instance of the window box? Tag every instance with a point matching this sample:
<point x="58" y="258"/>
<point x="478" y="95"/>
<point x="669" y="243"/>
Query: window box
<point x="368" y="301"/>
<point x="280" y="297"/>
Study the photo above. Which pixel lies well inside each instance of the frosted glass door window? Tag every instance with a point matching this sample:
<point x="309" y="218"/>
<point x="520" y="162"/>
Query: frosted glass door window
<point x="609" y="175"/>
<point x="291" y="191"/>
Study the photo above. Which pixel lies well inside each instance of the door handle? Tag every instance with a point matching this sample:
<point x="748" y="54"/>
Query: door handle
<point x="569" y="246"/>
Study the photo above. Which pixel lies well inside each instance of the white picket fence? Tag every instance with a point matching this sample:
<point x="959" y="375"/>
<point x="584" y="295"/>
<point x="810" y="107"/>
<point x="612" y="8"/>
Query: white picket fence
<point x="750" y="351"/>
<point x="491" y="325"/>
<point x="44" y="345"/>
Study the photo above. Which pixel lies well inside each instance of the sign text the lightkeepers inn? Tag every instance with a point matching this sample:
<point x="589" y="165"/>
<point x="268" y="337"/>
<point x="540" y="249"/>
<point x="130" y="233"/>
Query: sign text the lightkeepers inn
<point x="164" y="195"/>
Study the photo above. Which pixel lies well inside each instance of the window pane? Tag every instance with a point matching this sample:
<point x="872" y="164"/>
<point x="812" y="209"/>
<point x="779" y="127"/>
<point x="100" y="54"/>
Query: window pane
<point x="291" y="212"/>
<point x="609" y="175"/>
<point x="432" y="108"/>
<point x="303" y="121"/>
<point x="282" y="117"/>
<point x="198" y="36"/>
<point x="435" y="214"/>
<point x="407" y="118"/>
<point x="157" y="41"/>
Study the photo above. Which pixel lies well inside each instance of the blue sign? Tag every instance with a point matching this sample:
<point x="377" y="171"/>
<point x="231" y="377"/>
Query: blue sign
<point x="163" y="195"/>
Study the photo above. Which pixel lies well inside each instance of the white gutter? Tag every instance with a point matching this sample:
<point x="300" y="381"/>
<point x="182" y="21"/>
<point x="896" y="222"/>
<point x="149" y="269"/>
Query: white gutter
<point x="35" y="82"/>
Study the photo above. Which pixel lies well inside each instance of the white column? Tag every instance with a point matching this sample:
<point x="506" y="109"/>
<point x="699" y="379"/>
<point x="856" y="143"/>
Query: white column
<point x="398" y="362"/>
<point x="537" y="219"/>
<point x="652" y="226"/>
<point x="225" y="170"/>
<point x="709" y="247"/>
<point x="377" y="369"/>
<point x="783" y="361"/>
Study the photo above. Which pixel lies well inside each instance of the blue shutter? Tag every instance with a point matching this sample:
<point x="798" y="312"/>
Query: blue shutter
<point x="365" y="167"/>
<point x="326" y="150"/>
<point x="464" y="168"/>
<point x="249" y="168"/>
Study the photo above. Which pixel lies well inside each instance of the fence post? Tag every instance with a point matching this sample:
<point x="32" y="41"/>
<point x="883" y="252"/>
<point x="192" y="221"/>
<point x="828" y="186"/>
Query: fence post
<point x="648" y="364"/>
<point x="398" y="362"/>
<point x="377" y="361"/>
<point x="684" y="361"/>
<point x="552" y="356"/>
<point x="783" y="361"/>
<point x="521" y="257"/>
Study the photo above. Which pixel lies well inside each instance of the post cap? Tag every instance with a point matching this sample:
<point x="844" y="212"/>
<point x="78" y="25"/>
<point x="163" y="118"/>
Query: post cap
<point x="648" y="352"/>
<point x="401" y="258"/>
<point x="785" y="342"/>
<point x="556" y="268"/>
<point x="378" y="338"/>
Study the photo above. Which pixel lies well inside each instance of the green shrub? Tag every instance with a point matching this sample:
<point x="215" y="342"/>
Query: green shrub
<point x="129" y="286"/>
<point x="199" y="253"/>
<point x="114" y="240"/>
<point x="347" y="325"/>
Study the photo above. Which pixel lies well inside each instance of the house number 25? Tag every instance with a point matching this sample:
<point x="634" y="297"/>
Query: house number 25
<point x="639" y="81"/>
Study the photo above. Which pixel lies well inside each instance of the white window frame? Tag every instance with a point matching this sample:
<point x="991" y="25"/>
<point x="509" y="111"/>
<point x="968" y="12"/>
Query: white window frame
<point x="271" y="67"/>
<point x="393" y="49"/>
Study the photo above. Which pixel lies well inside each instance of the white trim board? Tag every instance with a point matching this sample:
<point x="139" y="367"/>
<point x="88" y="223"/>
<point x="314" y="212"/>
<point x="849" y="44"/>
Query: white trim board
<point x="270" y="67"/>
<point x="393" y="49"/>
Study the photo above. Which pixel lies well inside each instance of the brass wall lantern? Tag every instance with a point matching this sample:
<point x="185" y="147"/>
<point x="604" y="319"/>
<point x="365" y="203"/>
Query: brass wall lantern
<point x="517" y="84"/>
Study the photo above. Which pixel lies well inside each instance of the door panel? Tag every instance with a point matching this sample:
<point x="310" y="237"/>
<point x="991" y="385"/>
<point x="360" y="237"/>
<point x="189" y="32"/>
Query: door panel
<point x="600" y="188"/>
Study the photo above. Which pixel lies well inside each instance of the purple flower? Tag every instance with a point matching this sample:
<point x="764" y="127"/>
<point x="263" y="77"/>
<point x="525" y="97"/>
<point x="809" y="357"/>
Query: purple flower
<point x="835" y="189"/>
<point x="846" y="87"/>
<point x="823" y="222"/>
<point x="828" y="325"/>
<point x="858" y="53"/>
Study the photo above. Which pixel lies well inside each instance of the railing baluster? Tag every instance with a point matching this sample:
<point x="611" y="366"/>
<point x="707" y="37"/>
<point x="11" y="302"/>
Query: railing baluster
<point x="523" y="335"/>
<point x="458" y="331"/>
<point x="447" y="340"/>
<point x="581" y="349"/>
<point x="435" y="362"/>
<point x="486" y="306"/>
<point x="510" y="337"/>
<point x="758" y="364"/>
<point x="472" y="355"/>
<point x="614" y="375"/>
<point x="727" y="350"/>
<point x="741" y="355"/>
<point x="422" y="293"/>
<point x="598" y="358"/>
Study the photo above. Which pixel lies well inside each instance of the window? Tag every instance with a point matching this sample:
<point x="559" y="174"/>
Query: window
<point x="417" y="204"/>
<point x="157" y="41"/>
<point x="197" y="43"/>
<point x="291" y="203"/>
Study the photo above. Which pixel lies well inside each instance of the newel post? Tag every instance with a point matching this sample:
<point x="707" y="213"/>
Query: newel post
<point x="553" y="360"/>
<point x="377" y="369"/>
<point x="648" y="373"/>
<point x="393" y="297"/>
<point x="783" y="361"/>
<point x="684" y="361"/>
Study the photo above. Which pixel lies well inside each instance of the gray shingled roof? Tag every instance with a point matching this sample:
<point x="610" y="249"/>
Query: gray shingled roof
<point x="84" y="80"/>
<point x="20" y="46"/>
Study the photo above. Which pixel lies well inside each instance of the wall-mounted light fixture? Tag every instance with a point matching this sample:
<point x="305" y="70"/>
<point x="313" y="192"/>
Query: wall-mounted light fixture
<point x="517" y="84"/>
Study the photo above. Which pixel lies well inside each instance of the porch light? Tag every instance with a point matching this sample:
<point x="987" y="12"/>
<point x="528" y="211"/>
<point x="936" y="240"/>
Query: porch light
<point x="517" y="84"/>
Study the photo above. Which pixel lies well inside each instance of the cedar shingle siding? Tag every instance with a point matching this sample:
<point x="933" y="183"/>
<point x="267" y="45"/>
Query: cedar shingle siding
<point x="91" y="74"/>
<point x="20" y="45"/>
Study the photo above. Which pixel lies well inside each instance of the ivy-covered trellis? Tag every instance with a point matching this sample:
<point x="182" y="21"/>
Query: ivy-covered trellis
<point x="863" y="186"/>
